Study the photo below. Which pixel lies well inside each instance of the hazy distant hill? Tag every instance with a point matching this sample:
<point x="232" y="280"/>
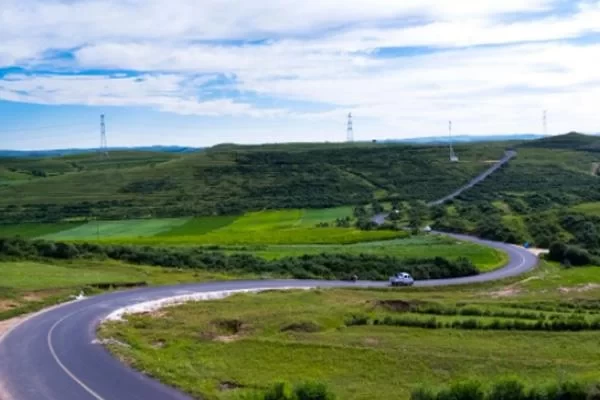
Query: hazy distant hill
<point x="570" y="141"/>
<point x="467" y="139"/>
<point x="185" y="149"/>
<point x="66" y="152"/>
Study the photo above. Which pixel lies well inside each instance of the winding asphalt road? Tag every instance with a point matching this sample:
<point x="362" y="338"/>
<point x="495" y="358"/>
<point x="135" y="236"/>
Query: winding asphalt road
<point x="54" y="354"/>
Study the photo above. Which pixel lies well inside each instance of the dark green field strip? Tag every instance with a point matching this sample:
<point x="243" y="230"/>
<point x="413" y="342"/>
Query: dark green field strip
<point x="199" y="226"/>
<point x="33" y="230"/>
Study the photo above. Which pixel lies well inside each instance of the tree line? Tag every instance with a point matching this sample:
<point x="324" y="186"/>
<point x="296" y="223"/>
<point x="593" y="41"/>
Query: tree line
<point x="317" y="266"/>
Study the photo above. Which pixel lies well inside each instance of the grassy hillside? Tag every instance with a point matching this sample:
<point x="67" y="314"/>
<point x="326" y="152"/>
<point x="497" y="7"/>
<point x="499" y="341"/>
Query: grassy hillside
<point x="231" y="179"/>
<point x="549" y="193"/>
<point x="27" y="286"/>
<point x="367" y="344"/>
<point x="571" y="141"/>
<point x="254" y="228"/>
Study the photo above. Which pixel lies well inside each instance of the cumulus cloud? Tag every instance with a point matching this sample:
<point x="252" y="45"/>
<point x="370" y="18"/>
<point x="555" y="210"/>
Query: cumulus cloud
<point x="163" y="92"/>
<point x="492" y="64"/>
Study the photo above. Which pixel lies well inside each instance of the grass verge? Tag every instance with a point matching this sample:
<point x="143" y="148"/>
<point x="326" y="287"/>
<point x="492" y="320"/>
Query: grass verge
<point x="251" y="341"/>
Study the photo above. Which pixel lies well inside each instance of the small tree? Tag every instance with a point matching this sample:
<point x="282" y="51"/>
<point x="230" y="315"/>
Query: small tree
<point x="377" y="207"/>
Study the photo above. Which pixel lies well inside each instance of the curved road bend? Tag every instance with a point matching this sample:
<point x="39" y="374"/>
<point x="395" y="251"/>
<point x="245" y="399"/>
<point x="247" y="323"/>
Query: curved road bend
<point x="53" y="355"/>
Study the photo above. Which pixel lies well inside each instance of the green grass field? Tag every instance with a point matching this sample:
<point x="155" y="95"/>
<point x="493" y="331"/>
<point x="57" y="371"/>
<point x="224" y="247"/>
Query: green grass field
<point x="199" y="226"/>
<point x="267" y="227"/>
<point x="118" y="229"/>
<point x="484" y="258"/>
<point x="592" y="208"/>
<point x="37" y="276"/>
<point x="35" y="230"/>
<point x="252" y="341"/>
<point x="268" y="234"/>
<point x="255" y="228"/>
<point x="28" y="286"/>
<point x="271" y="236"/>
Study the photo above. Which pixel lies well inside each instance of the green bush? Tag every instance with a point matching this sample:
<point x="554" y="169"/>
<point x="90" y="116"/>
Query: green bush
<point x="507" y="390"/>
<point x="305" y="391"/>
<point x="314" y="266"/>
<point x="510" y="390"/>
<point x="558" y="325"/>
<point x="279" y="391"/>
<point x="313" y="391"/>
<point x="357" y="320"/>
<point x="462" y="391"/>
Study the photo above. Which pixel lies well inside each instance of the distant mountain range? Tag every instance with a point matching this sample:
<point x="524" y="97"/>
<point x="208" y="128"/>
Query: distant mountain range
<point x="66" y="152"/>
<point x="184" y="149"/>
<point x="466" y="139"/>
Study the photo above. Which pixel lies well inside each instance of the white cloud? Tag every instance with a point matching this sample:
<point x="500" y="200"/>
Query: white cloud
<point x="319" y="51"/>
<point x="163" y="92"/>
<point x="218" y="19"/>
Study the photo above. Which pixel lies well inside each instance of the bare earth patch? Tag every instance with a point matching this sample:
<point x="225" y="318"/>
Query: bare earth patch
<point x="398" y="305"/>
<point x="33" y="297"/>
<point x="370" y="341"/>
<point x="6" y="305"/>
<point x="538" y="252"/>
<point x="227" y="338"/>
<point x="3" y="392"/>
<point x="508" y="291"/>
<point x="228" y="385"/>
<point x="580" y="288"/>
<point x="6" y="325"/>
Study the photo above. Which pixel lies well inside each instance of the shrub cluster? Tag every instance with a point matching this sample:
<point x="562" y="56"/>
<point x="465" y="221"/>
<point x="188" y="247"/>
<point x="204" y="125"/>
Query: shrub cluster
<point x="437" y="309"/>
<point x="571" y="255"/>
<point x="317" y="266"/>
<point x="306" y="391"/>
<point x="510" y="390"/>
<point x="553" y="325"/>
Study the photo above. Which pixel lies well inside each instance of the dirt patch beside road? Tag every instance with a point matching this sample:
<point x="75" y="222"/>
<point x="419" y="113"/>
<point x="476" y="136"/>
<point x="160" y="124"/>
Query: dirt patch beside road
<point x="6" y="325"/>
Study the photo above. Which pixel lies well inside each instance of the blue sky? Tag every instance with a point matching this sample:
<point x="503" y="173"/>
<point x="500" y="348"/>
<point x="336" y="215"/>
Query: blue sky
<point x="202" y="72"/>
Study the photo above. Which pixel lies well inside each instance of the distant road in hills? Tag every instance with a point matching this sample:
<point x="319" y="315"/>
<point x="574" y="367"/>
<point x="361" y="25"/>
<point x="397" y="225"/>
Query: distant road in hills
<point x="509" y="155"/>
<point x="379" y="219"/>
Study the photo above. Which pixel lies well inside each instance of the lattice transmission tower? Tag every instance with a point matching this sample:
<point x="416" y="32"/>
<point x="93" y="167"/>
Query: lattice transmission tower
<point x="453" y="156"/>
<point x="103" y="143"/>
<point x="350" y="129"/>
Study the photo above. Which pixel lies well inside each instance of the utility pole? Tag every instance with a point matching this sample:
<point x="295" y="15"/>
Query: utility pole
<point x="103" y="142"/>
<point x="350" y="129"/>
<point x="453" y="156"/>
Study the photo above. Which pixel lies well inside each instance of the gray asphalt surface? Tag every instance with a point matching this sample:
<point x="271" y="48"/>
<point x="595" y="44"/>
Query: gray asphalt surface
<point x="509" y="155"/>
<point x="53" y="355"/>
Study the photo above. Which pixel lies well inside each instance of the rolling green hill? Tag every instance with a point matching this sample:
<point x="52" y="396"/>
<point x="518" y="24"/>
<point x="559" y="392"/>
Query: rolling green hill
<point x="549" y="173"/>
<point x="232" y="179"/>
<point x="570" y="141"/>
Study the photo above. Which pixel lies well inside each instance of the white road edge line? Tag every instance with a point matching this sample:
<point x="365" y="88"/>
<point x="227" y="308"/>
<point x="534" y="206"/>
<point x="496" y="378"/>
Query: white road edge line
<point x="155" y="305"/>
<point x="24" y="319"/>
<point x="62" y="366"/>
<point x="521" y="256"/>
<point x="144" y="307"/>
